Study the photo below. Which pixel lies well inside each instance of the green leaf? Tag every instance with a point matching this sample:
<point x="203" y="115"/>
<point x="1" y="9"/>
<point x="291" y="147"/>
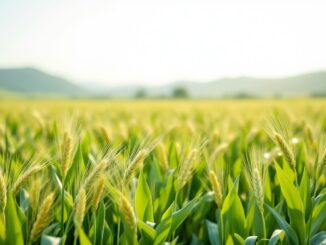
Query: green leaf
<point x="305" y="193"/>
<point x="233" y="214"/>
<point x="251" y="240"/>
<point x="148" y="233"/>
<point x="163" y="228"/>
<point x="259" y="222"/>
<point x="14" y="234"/>
<point x="83" y="239"/>
<point x="237" y="239"/>
<point x="278" y="235"/>
<point x="230" y="197"/>
<point x="319" y="239"/>
<point x="290" y="233"/>
<point x="100" y="219"/>
<point x="319" y="214"/>
<point x="2" y="232"/>
<point x="212" y="230"/>
<point x="50" y="240"/>
<point x="179" y="216"/>
<point x="143" y="200"/>
<point x="166" y="191"/>
<point x="294" y="203"/>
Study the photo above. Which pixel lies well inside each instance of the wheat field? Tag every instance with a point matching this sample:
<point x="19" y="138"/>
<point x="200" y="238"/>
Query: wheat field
<point x="163" y="172"/>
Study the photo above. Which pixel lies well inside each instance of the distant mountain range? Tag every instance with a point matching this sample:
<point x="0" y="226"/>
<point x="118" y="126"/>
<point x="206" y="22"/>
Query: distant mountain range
<point x="33" y="82"/>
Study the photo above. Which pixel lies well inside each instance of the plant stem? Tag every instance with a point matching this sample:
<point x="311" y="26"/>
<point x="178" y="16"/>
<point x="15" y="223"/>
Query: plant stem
<point x="95" y="227"/>
<point x="62" y="205"/>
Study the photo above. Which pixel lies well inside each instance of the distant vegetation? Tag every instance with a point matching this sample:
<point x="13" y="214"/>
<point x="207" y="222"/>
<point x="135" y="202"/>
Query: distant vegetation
<point x="177" y="93"/>
<point x="34" y="83"/>
<point x="180" y="92"/>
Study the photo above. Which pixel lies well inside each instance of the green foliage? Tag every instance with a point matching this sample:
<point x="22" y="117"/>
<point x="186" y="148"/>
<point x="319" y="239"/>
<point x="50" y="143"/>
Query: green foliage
<point x="263" y="200"/>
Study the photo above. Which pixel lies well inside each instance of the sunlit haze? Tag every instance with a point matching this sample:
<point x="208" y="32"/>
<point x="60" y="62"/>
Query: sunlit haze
<point x="156" y="42"/>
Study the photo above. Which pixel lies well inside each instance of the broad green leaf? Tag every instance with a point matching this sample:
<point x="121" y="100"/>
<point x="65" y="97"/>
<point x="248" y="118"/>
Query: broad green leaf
<point x="290" y="233"/>
<point x="148" y="233"/>
<point x="50" y="240"/>
<point x="233" y="215"/>
<point x="318" y="217"/>
<point x="179" y="216"/>
<point x="2" y="232"/>
<point x="305" y="193"/>
<point x="83" y="239"/>
<point x="251" y="240"/>
<point x="259" y="222"/>
<point x="143" y="200"/>
<point x="277" y="236"/>
<point x="212" y="230"/>
<point x="230" y="197"/>
<point x="100" y="219"/>
<point x="319" y="239"/>
<point x="14" y="234"/>
<point x="166" y="191"/>
<point x="163" y="228"/>
<point x="237" y="239"/>
<point x="294" y="203"/>
<point x="194" y="240"/>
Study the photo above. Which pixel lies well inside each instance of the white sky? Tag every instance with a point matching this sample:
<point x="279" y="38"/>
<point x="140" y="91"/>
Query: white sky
<point x="159" y="41"/>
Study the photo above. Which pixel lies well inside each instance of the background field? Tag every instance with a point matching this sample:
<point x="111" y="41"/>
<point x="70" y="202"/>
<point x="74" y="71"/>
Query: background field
<point x="151" y="171"/>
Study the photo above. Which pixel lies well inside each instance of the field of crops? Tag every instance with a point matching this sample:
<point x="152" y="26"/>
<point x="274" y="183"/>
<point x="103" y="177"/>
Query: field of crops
<point x="163" y="172"/>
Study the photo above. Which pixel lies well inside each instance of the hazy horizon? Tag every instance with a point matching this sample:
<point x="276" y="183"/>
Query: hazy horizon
<point x="124" y="42"/>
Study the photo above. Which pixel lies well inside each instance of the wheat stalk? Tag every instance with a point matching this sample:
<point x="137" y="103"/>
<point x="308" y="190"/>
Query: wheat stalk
<point x="34" y="192"/>
<point x="254" y="172"/>
<point x="80" y="207"/>
<point x="186" y="169"/>
<point x="3" y="192"/>
<point x="135" y="165"/>
<point x="258" y="188"/>
<point x="105" y="134"/>
<point x="285" y="148"/>
<point x="66" y="151"/>
<point x="96" y="171"/>
<point x="218" y="151"/>
<point x="43" y="218"/>
<point x="162" y="157"/>
<point x="25" y="176"/>
<point x="128" y="213"/>
<point x="218" y="195"/>
<point x="98" y="192"/>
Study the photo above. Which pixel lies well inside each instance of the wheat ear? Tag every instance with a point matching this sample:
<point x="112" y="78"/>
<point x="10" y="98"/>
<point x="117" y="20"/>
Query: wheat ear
<point x="128" y="213"/>
<point x="43" y="218"/>
<point x="186" y="169"/>
<point x="285" y="148"/>
<point x="66" y="151"/>
<point x="105" y="134"/>
<point x="162" y="157"/>
<point x="96" y="171"/>
<point x="218" y="196"/>
<point x="135" y="165"/>
<point x="98" y="192"/>
<point x="258" y="188"/>
<point x="25" y="176"/>
<point x="80" y="207"/>
<point x="3" y="192"/>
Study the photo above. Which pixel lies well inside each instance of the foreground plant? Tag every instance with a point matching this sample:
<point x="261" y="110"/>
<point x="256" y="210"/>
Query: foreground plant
<point x="163" y="174"/>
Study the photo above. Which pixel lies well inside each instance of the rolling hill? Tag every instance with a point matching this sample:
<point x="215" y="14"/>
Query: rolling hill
<point x="33" y="82"/>
<point x="300" y="85"/>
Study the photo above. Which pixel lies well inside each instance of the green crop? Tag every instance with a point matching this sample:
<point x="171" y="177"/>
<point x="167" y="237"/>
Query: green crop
<point x="163" y="172"/>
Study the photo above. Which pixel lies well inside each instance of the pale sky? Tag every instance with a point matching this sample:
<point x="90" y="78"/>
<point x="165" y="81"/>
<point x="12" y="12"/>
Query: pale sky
<point x="160" y="41"/>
